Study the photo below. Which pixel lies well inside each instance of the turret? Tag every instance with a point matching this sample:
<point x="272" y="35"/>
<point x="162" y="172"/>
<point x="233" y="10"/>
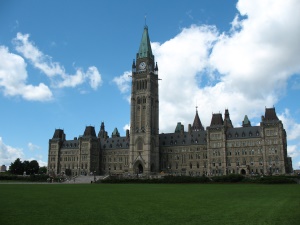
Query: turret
<point x="197" y="125"/>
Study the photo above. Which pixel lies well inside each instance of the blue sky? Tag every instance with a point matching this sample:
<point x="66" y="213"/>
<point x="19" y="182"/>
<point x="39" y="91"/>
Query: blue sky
<point x="65" y="64"/>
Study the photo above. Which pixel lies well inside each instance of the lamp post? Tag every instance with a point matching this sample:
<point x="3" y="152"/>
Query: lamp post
<point x="109" y="170"/>
<point x="94" y="176"/>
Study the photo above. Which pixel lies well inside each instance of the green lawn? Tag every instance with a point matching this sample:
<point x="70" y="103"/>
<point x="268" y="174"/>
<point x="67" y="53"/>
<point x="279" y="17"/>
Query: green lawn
<point x="56" y="204"/>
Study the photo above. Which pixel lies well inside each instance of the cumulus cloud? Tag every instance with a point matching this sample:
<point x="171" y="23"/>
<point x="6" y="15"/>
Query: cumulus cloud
<point x="53" y="69"/>
<point x="33" y="147"/>
<point x="13" y="72"/>
<point x="291" y="126"/>
<point x="244" y="69"/>
<point x="9" y="154"/>
<point x="123" y="82"/>
<point x="13" y="78"/>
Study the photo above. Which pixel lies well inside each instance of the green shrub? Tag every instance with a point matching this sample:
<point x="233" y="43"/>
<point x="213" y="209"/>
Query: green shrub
<point x="232" y="178"/>
<point x="274" y="180"/>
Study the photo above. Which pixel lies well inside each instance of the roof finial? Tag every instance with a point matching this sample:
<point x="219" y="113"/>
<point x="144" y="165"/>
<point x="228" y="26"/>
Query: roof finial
<point x="145" y="20"/>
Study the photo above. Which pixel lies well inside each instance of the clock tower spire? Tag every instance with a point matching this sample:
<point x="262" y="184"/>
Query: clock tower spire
<point x="144" y="124"/>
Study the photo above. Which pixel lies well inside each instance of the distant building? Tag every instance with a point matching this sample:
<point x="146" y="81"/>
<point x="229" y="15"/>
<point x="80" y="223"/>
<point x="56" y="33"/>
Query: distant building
<point x="217" y="150"/>
<point x="3" y="168"/>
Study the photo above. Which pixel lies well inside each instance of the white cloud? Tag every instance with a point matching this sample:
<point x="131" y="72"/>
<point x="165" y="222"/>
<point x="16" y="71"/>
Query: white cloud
<point x="33" y="147"/>
<point x="293" y="151"/>
<point x="245" y="69"/>
<point x="126" y="127"/>
<point x="94" y="76"/>
<point x="13" y="78"/>
<point x="53" y="69"/>
<point x="9" y="154"/>
<point x="123" y="82"/>
<point x="291" y="126"/>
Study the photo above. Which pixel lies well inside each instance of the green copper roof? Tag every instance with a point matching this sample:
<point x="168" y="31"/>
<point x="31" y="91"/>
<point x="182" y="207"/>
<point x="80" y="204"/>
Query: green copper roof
<point x="246" y="121"/>
<point x="178" y="127"/>
<point x="145" y="46"/>
<point x="116" y="133"/>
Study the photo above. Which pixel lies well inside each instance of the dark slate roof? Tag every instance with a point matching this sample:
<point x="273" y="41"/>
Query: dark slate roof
<point x="89" y="132"/>
<point x="197" y="125"/>
<point x="216" y="120"/>
<point x="58" y="133"/>
<point x="70" y="144"/>
<point x="115" y="143"/>
<point x="243" y="132"/>
<point x="270" y="115"/>
<point x="175" y="139"/>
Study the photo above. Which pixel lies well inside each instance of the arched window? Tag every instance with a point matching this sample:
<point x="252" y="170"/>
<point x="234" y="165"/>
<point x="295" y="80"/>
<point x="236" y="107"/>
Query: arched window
<point x="140" y="145"/>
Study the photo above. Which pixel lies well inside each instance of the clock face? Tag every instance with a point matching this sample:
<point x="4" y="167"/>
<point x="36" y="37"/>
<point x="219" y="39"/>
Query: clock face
<point x="142" y="65"/>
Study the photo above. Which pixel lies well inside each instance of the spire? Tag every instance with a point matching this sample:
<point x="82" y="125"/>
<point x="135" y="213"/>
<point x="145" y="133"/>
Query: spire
<point x="102" y="131"/>
<point x="197" y="125"/>
<point x="227" y="119"/>
<point x="145" y="46"/>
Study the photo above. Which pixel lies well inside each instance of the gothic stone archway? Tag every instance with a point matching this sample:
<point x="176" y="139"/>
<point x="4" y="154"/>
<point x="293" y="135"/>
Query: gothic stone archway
<point x="138" y="168"/>
<point x="243" y="172"/>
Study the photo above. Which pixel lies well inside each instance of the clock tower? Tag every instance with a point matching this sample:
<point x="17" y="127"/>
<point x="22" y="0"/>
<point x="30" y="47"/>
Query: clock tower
<point x="144" y="115"/>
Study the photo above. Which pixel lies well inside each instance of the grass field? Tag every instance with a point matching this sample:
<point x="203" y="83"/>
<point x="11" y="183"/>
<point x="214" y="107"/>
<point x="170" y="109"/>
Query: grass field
<point x="56" y="204"/>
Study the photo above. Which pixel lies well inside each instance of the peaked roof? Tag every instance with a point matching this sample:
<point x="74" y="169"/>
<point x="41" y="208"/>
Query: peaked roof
<point x="270" y="115"/>
<point x="197" y="125"/>
<point x="115" y="133"/>
<point x="145" y="46"/>
<point x="246" y="122"/>
<point x="217" y="120"/>
<point x="89" y="131"/>
<point x="178" y="127"/>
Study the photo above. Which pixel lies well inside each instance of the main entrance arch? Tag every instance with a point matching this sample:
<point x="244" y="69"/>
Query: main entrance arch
<point x="138" y="168"/>
<point x="243" y="172"/>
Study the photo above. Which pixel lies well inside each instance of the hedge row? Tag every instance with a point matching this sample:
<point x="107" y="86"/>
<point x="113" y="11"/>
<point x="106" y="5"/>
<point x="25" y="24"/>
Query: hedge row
<point x="31" y="178"/>
<point x="232" y="178"/>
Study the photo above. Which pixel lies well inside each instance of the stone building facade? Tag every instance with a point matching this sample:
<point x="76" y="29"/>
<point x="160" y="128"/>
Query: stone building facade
<point x="217" y="150"/>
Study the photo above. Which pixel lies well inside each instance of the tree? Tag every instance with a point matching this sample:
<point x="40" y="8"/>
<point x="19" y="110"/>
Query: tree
<point x="68" y="172"/>
<point x="17" y="167"/>
<point x="26" y="166"/>
<point x="33" y="167"/>
<point x="43" y="170"/>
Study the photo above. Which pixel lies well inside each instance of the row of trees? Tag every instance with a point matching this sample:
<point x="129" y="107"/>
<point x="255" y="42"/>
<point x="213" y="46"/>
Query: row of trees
<point x="29" y="167"/>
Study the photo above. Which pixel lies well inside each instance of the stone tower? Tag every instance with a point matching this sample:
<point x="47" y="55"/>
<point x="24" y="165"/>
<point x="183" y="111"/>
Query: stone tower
<point x="144" y="116"/>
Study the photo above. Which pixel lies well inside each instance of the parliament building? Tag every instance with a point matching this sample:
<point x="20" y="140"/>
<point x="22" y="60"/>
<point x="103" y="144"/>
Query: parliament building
<point x="218" y="149"/>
